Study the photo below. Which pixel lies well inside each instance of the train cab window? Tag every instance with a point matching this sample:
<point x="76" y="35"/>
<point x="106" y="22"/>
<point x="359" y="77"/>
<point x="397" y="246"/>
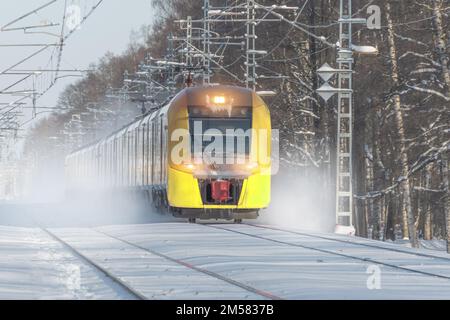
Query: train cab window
<point x="238" y="122"/>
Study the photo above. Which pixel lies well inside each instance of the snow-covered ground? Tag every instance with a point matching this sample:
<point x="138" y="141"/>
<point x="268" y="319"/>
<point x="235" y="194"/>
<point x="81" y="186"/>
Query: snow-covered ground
<point x="34" y="266"/>
<point x="435" y="244"/>
<point x="284" y="264"/>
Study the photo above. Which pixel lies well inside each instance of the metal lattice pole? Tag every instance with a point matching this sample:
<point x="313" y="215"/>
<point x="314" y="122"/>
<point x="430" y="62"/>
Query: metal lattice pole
<point x="344" y="189"/>
<point x="206" y="44"/>
<point x="189" y="42"/>
<point x="170" y="69"/>
<point x="250" y="64"/>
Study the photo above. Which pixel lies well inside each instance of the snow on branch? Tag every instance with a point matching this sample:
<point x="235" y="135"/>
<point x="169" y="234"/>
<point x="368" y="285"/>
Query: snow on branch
<point x="419" y="55"/>
<point x="424" y="70"/>
<point x="411" y="40"/>
<point x="422" y="189"/>
<point x="429" y="91"/>
<point x="306" y="154"/>
<point x="424" y="159"/>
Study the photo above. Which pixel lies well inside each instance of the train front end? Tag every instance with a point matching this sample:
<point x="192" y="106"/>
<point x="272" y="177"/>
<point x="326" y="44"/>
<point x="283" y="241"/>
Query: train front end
<point x="219" y="164"/>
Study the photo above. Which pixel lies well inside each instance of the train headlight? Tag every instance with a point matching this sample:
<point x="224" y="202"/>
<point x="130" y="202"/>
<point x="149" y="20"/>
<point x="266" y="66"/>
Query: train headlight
<point x="251" y="166"/>
<point x="189" y="166"/>
<point x="218" y="99"/>
<point x="186" y="167"/>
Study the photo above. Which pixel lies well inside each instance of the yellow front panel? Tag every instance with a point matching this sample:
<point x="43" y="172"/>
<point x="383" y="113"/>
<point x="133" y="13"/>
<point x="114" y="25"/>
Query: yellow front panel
<point x="183" y="190"/>
<point x="256" y="192"/>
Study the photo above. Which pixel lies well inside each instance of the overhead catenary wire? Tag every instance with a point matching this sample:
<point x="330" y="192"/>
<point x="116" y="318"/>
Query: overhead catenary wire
<point x="4" y="28"/>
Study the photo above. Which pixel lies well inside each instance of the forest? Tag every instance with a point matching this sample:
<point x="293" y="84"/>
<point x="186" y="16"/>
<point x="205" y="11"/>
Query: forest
<point x="401" y="103"/>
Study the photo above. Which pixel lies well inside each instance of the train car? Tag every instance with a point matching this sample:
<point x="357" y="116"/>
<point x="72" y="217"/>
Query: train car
<point x="205" y="155"/>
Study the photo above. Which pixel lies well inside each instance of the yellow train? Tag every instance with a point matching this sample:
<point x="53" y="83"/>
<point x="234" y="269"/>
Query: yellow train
<point x="206" y="155"/>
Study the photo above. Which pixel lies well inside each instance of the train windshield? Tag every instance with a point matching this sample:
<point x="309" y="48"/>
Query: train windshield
<point x="221" y="134"/>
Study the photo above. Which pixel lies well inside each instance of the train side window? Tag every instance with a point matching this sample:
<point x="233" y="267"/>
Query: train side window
<point x="117" y="175"/>
<point x="138" y="155"/>
<point x="108" y="163"/>
<point x="104" y="162"/>
<point x="111" y="154"/>
<point x="115" y="162"/>
<point x="124" y="158"/>
<point x="152" y="146"/>
<point x="156" y="164"/>
<point x="141" y="156"/>
<point x="98" y="153"/>
<point x="143" y="153"/>
<point x="130" y="158"/>
<point x="158" y="151"/>
<point x="160" y="142"/>
<point x="111" y="157"/>
<point x="163" y="149"/>
<point x="120" y="173"/>
<point x="147" y="153"/>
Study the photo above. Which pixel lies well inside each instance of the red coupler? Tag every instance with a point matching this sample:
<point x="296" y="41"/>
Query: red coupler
<point x="220" y="190"/>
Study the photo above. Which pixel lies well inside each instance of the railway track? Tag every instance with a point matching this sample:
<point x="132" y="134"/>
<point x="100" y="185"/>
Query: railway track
<point x="134" y="294"/>
<point x="264" y="294"/>
<point x="116" y="280"/>
<point x="106" y="262"/>
<point x="367" y="245"/>
<point x="328" y="251"/>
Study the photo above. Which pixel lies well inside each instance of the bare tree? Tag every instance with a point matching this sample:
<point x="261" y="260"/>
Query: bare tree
<point x="445" y="180"/>
<point x="441" y="43"/>
<point x="407" y="214"/>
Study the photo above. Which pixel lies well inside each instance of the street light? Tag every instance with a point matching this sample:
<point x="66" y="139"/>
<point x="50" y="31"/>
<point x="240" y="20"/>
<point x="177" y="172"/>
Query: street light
<point x="266" y="93"/>
<point x="365" y="50"/>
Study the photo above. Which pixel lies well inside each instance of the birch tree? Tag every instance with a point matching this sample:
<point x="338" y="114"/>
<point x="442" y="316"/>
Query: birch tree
<point x="441" y="43"/>
<point x="446" y="185"/>
<point x="409" y="231"/>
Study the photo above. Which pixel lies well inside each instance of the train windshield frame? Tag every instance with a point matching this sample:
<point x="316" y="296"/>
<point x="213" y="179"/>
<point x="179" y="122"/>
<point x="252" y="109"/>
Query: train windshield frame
<point x="238" y="120"/>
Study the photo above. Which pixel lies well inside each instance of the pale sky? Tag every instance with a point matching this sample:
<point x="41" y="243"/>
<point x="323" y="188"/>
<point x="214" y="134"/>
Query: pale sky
<point x="107" y="29"/>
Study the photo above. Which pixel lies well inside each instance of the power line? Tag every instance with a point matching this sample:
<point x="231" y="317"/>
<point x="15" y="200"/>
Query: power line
<point x="4" y="28"/>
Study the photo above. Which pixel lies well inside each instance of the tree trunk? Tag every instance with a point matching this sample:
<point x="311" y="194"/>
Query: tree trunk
<point x="313" y="61"/>
<point x="368" y="212"/>
<point x="383" y="218"/>
<point x="409" y="231"/>
<point x="379" y="174"/>
<point x="441" y="48"/>
<point x="441" y="42"/>
<point x="445" y="180"/>
<point x="428" y="232"/>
